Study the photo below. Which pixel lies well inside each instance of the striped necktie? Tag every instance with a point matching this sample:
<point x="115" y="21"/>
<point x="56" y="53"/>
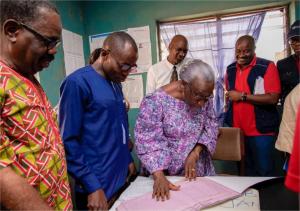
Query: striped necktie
<point x="174" y="76"/>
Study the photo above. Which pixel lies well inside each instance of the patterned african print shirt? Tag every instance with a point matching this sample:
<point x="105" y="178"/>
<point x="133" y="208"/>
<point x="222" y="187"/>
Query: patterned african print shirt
<point x="167" y="130"/>
<point x="30" y="141"/>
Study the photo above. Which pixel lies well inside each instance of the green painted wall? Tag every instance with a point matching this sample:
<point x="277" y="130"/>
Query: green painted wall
<point x="297" y="9"/>
<point x="72" y="19"/>
<point x="108" y="16"/>
<point x="93" y="17"/>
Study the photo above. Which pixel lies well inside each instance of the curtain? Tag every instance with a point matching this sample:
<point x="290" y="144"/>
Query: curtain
<point x="213" y="41"/>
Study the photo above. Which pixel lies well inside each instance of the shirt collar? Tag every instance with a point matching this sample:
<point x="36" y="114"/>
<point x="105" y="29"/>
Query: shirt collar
<point x="252" y="63"/>
<point x="170" y="65"/>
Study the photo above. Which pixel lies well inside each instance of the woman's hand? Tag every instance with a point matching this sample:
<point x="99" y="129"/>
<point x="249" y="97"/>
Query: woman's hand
<point x="191" y="161"/>
<point x="162" y="186"/>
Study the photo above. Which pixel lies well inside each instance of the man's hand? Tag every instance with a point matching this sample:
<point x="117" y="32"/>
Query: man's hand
<point x="162" y="186"/>
<point x="191" y="161"/>
<point x="234" y="95"/>
<point x="97" y="200"/>
<point x="131" y="171"/>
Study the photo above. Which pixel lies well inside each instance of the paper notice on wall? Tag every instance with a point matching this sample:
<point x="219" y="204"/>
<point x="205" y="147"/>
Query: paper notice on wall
<point x="73" y="51"/>
<point x="96" y="41"/>
<point x="141" y="35"/>
<point x="144" y="61"/>
<point x="133" y="90"/>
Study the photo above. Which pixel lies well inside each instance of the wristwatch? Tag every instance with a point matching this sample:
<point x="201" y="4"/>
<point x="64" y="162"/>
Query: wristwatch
<point x="244" y="96"/>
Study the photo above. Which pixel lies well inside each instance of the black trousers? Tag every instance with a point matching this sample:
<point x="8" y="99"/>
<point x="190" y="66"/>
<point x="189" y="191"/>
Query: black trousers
<point x="81" y="200"/>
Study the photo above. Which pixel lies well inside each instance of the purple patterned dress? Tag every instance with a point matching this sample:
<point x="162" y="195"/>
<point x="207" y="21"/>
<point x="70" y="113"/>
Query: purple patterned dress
<point x="167" y="129"/>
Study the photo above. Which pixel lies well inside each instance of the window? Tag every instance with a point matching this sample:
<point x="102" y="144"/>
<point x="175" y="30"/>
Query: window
<point x="213" y="39"/>
<point x="272" y="43"/>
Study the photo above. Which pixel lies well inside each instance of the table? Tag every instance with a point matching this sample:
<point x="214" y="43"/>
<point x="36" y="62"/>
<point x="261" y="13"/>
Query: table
<point x="273" y="195"/>
<point x="270" y="195"/>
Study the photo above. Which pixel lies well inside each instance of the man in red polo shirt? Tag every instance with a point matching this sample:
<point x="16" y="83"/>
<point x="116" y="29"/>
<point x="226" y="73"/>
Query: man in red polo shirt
<point x="253" y="91"/>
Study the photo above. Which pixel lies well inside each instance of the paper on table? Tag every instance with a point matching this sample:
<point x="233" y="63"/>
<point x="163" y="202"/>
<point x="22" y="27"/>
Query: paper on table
<point x="238" y="184"/>
<point x="143" y="186"/>
<point x="248" y="201"/>
<point x="192" y="196"/>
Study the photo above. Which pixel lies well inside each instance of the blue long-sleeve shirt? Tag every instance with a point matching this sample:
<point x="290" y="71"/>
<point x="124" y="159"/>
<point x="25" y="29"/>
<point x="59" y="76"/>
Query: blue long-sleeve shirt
<point x="94" y="128"/>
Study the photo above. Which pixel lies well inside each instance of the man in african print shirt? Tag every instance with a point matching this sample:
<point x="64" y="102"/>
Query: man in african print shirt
<point x="33" y="173"/>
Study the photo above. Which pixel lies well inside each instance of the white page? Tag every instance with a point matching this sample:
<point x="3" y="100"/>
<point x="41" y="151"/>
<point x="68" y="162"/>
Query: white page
<point x="133" y="90"/>
<point x="73" y="51"/>
<point x="248" y="201"/>
<point x="140" y="34"/>
<point x="238" y="184"/>
<point x="96" y="41"/>
<point x="140" y="186"/>
<point x="144" y="60"/>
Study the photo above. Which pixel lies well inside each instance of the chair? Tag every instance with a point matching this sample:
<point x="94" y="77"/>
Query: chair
<point x="230" y="147"/>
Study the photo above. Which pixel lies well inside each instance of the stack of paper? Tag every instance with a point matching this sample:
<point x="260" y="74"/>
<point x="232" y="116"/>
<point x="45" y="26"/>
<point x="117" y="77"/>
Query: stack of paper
<point x="195" y="195"/>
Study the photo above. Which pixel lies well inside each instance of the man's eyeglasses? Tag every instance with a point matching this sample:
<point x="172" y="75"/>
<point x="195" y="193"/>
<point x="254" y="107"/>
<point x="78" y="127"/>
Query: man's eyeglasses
<point x="49" y="43"/>
<point x="294" y="41"/>
<point x="197" y="96"/>
<point x="127" y="67"/>
<point x="124" y="67"/>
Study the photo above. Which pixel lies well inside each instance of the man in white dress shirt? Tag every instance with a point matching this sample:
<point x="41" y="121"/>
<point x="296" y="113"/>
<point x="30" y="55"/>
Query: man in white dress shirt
<point x="161" y="73"/>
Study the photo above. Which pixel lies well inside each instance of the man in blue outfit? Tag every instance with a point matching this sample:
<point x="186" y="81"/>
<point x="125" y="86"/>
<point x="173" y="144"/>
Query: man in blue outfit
<point x="289" y="68"/>
<point x="93" y="123"/>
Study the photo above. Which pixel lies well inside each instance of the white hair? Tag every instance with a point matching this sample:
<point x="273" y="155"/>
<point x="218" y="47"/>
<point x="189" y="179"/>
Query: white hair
<point x="195" y="69"/>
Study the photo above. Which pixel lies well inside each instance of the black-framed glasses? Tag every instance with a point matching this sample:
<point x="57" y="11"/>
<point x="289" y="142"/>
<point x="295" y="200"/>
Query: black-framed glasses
<point x="197" y="96"/>
<point x="49" y="43"/>
<point x="294" y="41"/>
<point x="123" y="67"/>
<point x="127" y="67"/>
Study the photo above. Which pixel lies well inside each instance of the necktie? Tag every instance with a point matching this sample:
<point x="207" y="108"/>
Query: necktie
<point x="174" y="76"/>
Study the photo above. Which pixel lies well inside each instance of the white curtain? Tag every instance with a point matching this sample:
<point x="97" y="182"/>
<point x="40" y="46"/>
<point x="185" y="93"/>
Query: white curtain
<point x="213" y="41"/>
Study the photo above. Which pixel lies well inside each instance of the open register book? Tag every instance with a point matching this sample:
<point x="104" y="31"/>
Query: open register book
<point x="196" y="195"/>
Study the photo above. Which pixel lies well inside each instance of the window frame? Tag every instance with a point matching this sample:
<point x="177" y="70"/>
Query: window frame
<point x="219" y="16"/>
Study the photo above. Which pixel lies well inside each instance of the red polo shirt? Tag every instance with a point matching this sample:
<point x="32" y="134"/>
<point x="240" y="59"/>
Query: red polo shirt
<point x="243" y="112"/>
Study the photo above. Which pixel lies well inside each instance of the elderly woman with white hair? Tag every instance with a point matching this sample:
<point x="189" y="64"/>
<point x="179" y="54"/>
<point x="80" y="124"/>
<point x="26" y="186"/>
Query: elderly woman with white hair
<point x="176" y="129"/>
